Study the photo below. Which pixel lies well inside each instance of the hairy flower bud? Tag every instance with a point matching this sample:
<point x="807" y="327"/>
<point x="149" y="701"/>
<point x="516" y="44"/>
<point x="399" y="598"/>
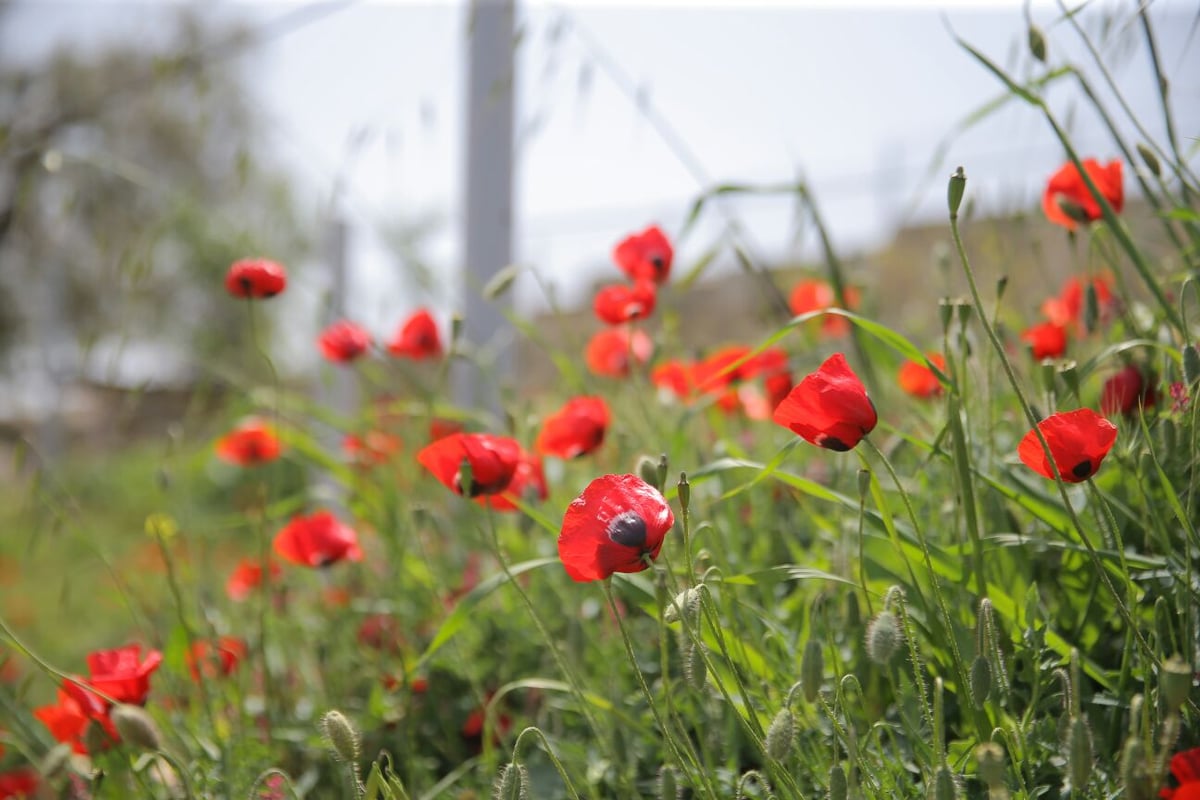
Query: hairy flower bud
<point x="780" y="734"/>
<point x="812" y="669"/>
<point x="1175" y="683"/>
<point x="340" y="735"/>
<point x="837" y="783"/>
<point x="136" y="727"/>
<point x="981" y="680"/>
<point x="1135" y="771"/>
<point x="668" y="784"/>
<point x="1079" y="754"/>
<point x="512" y="783"/>
<point x="991" y="763"/>
<point x="883" y="637"/>
<point x="944" y="786"/>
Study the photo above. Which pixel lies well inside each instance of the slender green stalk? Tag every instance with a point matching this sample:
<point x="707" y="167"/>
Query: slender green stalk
<point x="562" y="772"/>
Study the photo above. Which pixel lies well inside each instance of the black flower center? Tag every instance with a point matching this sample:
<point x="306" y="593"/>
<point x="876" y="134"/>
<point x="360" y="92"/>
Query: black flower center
<point x="628" y="529"/>
<point x="832" y="443"/>
<point x="1083" y="469"/>
<point x="658" y="262"/>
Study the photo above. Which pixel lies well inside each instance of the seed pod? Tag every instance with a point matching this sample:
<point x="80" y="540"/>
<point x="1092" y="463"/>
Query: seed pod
<point x="954" y="191"/>
<point x="812" y="669"/>
<point x="943" y="786"/>
<point x="1175" y="683"/>
<point x="135" y="726"/>
<point x="1135" y="772"/>
<point x="883" y="637"/>
<point x="1079" y="754"/>
<point x="668" y="784"/>
<point x="837" y="782"/>
<point x="1037" y="43"/>
<point x="780" y="734"/>
<point x="981" y="680"/>
<point x="1151" y="160"/>
<point x="685" y="492"/>
<point x="647" y="470"/>
<point x="340" y="735"/>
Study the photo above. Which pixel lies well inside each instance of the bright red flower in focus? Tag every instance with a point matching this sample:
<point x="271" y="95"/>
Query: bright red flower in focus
<point x="645" y="256"/>
<point x="317" y="540"/>
<point x="1066" y="309"/>
<point x="492" y="459"/>
<point x="16" y="783"/>
<point x="817" y="295"/>
<point x="215" y="659"/>
<point x="612" y="527"/>
<point x="255" y="278"/>
<point x="1127" y="391"/>
<point x="610" y="352"/>
<point x="122" y="673"/>
<point x="574" y="430"/>
<point x="528" y="484"/>
<point x="829" y="407"/>
<point x="344" y="341"/>
<point x="1185" y="767"/>
<point x="417" y="338"/>
<point x="1046" y="340"/>
<point x="246" y="577"/>
<point x="249" y="445"/>
<point x="1067" y="199"/>
<point x="1079" y="440"/>
<point x="917" y="379"/>
<point x="617" y="304"/>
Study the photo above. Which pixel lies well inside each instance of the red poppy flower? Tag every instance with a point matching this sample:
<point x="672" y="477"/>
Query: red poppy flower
<point x="917" y="379"/>
<point x="1046" y="340"/>
<point x="675" y="377"/>
<point x="617" y="304"/>
<point x="372" y="448"/>
<point x="1066" y="309"/>
<point x="122" y="674"/>
<point x="817" y="295"/>
<point x="645" y="256"/>
<point x="717" y="372"/>
<point x="528" y="484"/>
<point x="249" y="445"/>
<point x="17" y="783"/>
<point x="255" y="277"/>
<point x="829" y="408"/>
<point x="1079" y="440"/>
<point x="778" y="386"/>
<point x="68" y="719"/>
<point x="1185" y="767"/>
<point x="1126" y="392"/>
<point x="1067" y="199"/>
<point x="574" y="430"/>
<point x="380" y="632"/>
<point x="610" y="351"/>
<point x="612" y="527"/>
<point x="246" y="577"/>
<point x="344" y="341"/>
<point x="317" y="540"/>
<point x="417" y="338"/>
<point x="441" y="428"/>
<point x="214" y="659"/>
<point x="492" y="459"/>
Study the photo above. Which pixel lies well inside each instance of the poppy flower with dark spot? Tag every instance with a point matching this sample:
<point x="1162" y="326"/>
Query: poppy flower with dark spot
<point x="1079" y="440"/>
<point x="829" y="407"/>
<point x="317" y="540"/>
<point x="251" y="444"/>
<point x="918" y="380"/>
<point x="574" y="430"/>
<point x="1066" y="308"/>
<point x="1126" y="392"/>
<point x="528" y="484"/>
<point x="344" y="341"/>
<point x="255" y="278"/>
<point x="645" y="256"/>
<point x="122" y="673"/>
<point x="246" y="577"/>
<point x="817" y="295"/>
<point x="1067" y="200"/>
<point x="417" y="338"/>
<point x="17" y="783"/>
<point x="492" y="461"/>
<point x="617" y="304"/>
<point x="214" y="659"/>
<point x="1185" y="767"/>
<point x="611" y="351"/>
<point x="1046" y="340"/>
<point x="616" y="523"/>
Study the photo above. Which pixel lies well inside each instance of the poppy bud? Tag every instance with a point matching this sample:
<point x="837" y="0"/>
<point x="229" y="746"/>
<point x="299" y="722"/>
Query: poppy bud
<point x="883" y="637"/>
<point x="340" y="735"/>
<point x="780" y="734"/>
<point x="991" y="763"/>
<point x="685" y="492"/>
<point x="647" y="470"/>
<point x="1191" y="364"/>
<point x="512" y="783"/>
<point x="1091" y="307"/>
<point x="981" y="680"/>
<point x="837" y="783"/>
<point x="695" y="671"/>
<point x="954" y="192"/>
<point x="668" y="784"/>
<point x="946" y="312"/>
<point x="1069" y="371"/>
<point x="685" y="606"/>
<point x="135" y="726"/>
<point x="1175" y="683"/>
<point x="1074" y="211"/>
<point x="944" y="787"/>
<point x="501" y="282"/>
<point x="1135" y="776"/>
<point x="1037" y="43"/>
<point x="864" y="484"/>
<point x="1079" y="753"/>
<point x="1151" y="160"/>
<point x="812" y="669"/>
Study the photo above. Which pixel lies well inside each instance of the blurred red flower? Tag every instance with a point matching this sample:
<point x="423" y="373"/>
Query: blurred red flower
<point x="344" y="341"/>
<point x="492" y="460"/>
<point x="441" y="428"/>
<point x="917" y="379"/>
<point x="417" y="338"/>
<point x="817" y="295"/>
<point x="1066" y="308"/>
<point x="1126" y="392"/>
<point x="645" y="256"/>
<point x="676" y="377"/>
<point x="68" y="719"/>
<point x="255" y="277"/>
<point x="1046" y="340"/>
<point x="612" y="527"/>
<point x="1079" y="440"/>
<point x="317" y="540"/>
<point x="19" y="783"/>
<point x="576" y="429"/>
<point x="122" y="673"/>
<point x="1185" y="767"/>
<point x="250" y="444"/>
<point x="246" y="577"/>
<point x="829" y="407"/>
<point x="380" y="632"/>
<point x="610" y="351"/>
<point x="528" y="484"/>
<point x="372" y="448"/>
<point x="214" y="659"/>
<point x="617" y="304"/>
<point x="1067" y="199"/>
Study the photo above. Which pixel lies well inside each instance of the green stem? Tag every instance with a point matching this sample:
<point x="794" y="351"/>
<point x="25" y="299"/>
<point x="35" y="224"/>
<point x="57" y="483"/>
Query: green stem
<point x="562" y="772"/>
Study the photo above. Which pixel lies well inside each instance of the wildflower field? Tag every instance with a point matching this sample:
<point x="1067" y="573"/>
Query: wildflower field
<point x="840" y="561"/>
